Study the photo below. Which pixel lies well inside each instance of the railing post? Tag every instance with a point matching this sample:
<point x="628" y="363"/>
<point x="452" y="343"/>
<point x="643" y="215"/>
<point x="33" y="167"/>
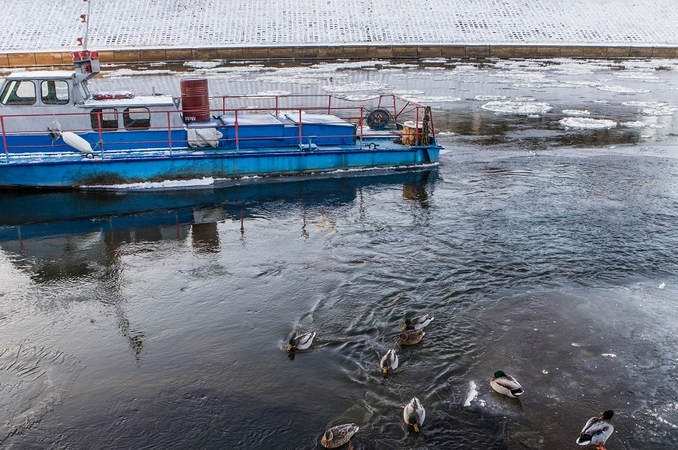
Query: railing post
<point x="301" y="133"/>
<point x="101" y="134"/>
<point x="237" y="141"/>
<point x="4" y="137"/>
<point x="169" y="132"/>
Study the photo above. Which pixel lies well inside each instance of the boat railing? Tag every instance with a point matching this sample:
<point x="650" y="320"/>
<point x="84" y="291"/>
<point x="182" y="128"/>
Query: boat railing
<point x="30" y="132"/>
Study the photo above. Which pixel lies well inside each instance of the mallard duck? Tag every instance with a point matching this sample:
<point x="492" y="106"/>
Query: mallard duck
<point x="410" y="337"/>
<point x="301" y="341"/>
<point x="506" y="384"/>
<point x="597" y="430"/>
<point x="388" y="362"/>
<point x="414" y="414"/>
<point x="339" y="435"/>
<point x="417" y="323"/>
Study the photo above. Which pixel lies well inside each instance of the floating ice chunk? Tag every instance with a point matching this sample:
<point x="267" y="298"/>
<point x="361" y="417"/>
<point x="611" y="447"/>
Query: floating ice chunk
<point x="357" y="97"/>
<point x="587" y="123"/>
<point x="635" y="124"/>
<point x="425" y="99"/>
<point x="621" y="89"/>
<point x="488" y="98"/>
<point x="274" y="93"/>
<point x="472" y="393"/>
<point x="518" y="107"/>
<point x="434" y="60"/>
<point x="642" y="76"/>
<point x="161" y="185"/>
<point x="652" y="108"/>
<point x="576" y="112"/>
<point x="204" y="64"/>
<point x="410" y="92"/>
<point x="360" y="86"/>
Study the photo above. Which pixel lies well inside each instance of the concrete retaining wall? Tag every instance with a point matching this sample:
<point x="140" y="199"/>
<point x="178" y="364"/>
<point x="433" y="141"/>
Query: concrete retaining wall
<point x="351" y="52"/>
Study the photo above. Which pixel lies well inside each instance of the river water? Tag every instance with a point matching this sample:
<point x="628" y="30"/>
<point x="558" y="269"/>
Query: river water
<point x="544" y="244"/>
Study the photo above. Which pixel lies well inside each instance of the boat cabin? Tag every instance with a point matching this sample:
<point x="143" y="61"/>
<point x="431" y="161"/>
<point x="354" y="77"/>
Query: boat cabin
<point x="66" y="97"/>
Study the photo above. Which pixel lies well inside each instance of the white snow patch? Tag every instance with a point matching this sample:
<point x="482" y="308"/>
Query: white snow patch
<point x="587" y="123"/>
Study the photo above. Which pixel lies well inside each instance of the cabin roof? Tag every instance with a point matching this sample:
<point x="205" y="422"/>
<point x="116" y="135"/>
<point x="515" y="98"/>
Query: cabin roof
<point x="41" y="75"/>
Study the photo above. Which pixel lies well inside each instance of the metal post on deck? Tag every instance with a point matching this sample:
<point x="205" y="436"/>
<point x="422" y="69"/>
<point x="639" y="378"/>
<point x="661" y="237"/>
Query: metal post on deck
<point x="360" y="124"/>
<point x="169" y="133"/>
<point x="4" y="137"/>
<point x="237" y="141"/>
<point x="301" y="133"/>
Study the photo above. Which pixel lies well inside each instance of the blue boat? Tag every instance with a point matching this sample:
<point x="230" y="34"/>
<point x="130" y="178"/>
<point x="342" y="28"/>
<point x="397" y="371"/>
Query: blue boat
<point x="58" y="133"/>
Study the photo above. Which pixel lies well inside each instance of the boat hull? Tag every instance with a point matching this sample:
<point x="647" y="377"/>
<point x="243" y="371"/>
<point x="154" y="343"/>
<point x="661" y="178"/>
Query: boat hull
<point x="166" y="166"/>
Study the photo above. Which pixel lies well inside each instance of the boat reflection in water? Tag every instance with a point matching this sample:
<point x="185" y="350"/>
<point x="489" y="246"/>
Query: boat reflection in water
<point x="63" y="233"/>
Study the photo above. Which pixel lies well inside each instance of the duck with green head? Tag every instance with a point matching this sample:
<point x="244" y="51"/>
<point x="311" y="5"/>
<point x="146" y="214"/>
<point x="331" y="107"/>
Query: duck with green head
<point x="301" y="341"/>
<point x="414" y="414"/>
<point x="418" y="322"/>
<point x="597" y="430"/>
<point x="505" y="384"/>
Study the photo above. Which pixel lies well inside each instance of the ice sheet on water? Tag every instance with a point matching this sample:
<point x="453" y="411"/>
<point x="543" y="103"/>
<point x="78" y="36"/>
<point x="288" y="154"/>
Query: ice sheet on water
<point x="274" y="93"/>
<point x="160" y="185"/>
<point x="645" y="77"/>
<point x="488" y="98"/>
<point x="126" y="73"/>
<point x="426" y="99"/>
<point x="635" y="124"/>
<point x="33" y="382"/>
<point x="652" y="108"/>
<point x="204" y="64"/>
<point x="522" y="107"/>
<point x="472" y="393"/>
<point x="621" y="89"/>
<point x="361" y="86"/>
<point x="576" y="112"/>
<point x="587" y="123"/>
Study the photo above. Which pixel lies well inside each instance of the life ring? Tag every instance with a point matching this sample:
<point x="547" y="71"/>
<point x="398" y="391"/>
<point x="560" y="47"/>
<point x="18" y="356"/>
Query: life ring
<point x="378" y="119"/>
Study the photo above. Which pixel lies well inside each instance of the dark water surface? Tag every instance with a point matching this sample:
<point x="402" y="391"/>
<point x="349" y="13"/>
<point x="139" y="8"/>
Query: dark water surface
<point x="134" y="319"/>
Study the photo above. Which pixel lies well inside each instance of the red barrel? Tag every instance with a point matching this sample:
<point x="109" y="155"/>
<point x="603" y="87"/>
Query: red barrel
<point x="195" y="100"/>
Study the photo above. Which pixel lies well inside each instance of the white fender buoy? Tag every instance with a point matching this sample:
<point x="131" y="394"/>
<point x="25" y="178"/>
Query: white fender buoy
<point x="77" y="142"/>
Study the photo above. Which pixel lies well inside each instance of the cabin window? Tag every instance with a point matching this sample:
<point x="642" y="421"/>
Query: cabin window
<point x="54" y="92"/>
<point x="18" y="92"/>
<point x="104" y="119"/>
<point x="137" y="118"/>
